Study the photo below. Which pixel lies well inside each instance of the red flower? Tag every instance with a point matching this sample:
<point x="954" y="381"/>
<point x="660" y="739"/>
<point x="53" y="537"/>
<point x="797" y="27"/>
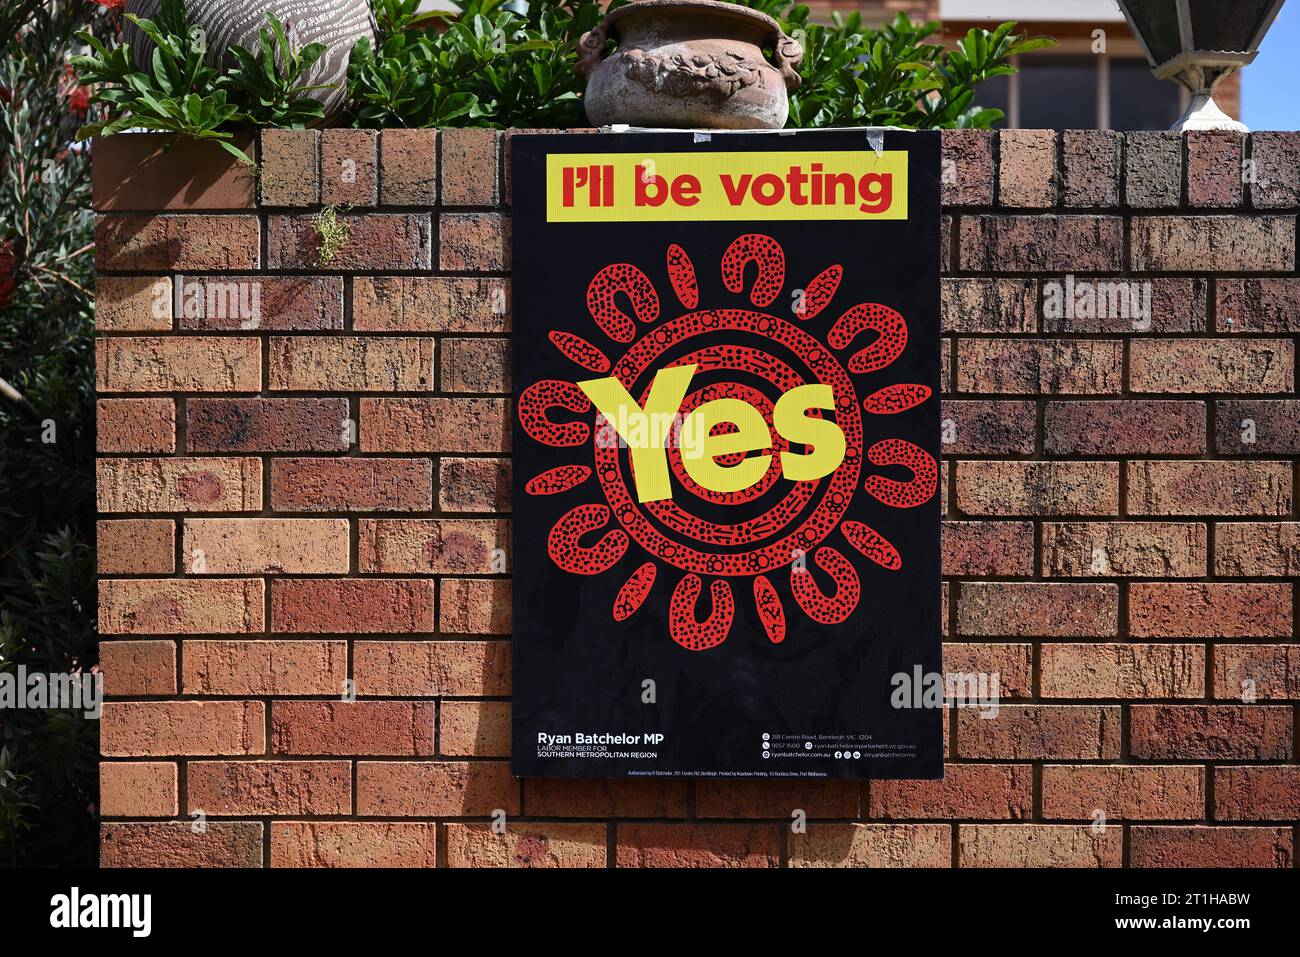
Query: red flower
<point x="79" y="99"/>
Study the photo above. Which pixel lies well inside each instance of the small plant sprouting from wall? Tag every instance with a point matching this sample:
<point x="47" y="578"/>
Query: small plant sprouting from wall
<point x="332" y="232"/>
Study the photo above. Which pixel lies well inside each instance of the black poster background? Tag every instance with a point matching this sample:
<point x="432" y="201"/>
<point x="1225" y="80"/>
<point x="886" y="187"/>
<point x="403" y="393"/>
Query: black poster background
<point x="576" y="669"/>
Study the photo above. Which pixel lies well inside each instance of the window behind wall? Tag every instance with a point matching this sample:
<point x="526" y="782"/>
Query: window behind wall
<point x="1083" y="91"/>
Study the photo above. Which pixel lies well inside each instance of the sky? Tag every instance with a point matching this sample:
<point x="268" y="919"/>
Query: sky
<point x="1269" y="100"/>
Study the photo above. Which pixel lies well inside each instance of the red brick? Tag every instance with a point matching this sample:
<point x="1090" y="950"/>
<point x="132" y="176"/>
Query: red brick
<point x="474" y="728"/>
<point x="430" y="304"/>
<point x="426" y="669"/>
<point x="1125" y="306"/>
<point x="266" y="546"/>
<point x="179" y="485"/>
<point x="982" y="792"/>
<point x="1257" y="794"/>
<point x="1153" y="169"/>
<point x="248" y="788"/>
<point x="1163" y="793"/>
<point x="1213" y="244"/>
<point x="1052" y="244"/>
<point x="989" y="305"/>
<point x="290" y="175"/>
<point x="697" y="845"/>
<point x="352" y="728"/>
<point x="477" y="242"/>
<point x="1209" y="488"/>
<point x="968" y="168"/>
<point x="1012" y="663"/>
<point x="1257" y="427"/>
<point x="264" y="668"/>
<point x="138" y="668"/>
<point x="181" y="364"/>
<point x="133" y="303"/>
<point x="435" y="425"/>
<point x="1027" y="168"/>
<point x="1124" y="550"/>
<point x="1257" y="549"/>
<point x="988" y="548"/>
<point x="176" y="606"/>
<point x="297" y="303"/>
<point x="350" y="364"/>
<point x="183" y="243"/>
<point x="1237" y="847"/>
<point x="474" y="606"/>
<point x="1209" y="610"/>
<point x="1038" y="845"/>
<point x="776" y="799"/>
<point x="597" y="798"/>
<point x="135" y="425"/>
<point x="1276" y="156"/>
<point x="1126" y="427"/>
<point x="351" y="606"/>
<point x="872" y="845"/>
<point x="349" y="161"/>
<point x="137" y="729"/>
<point x="1211" y="365"/>
<point x="1257" y="305"/>
<point x="1037" y="609"/>
<point x="1215" y="160"/>
<point x="137" y="546"/>
<point x="436" y="788"/>
<point x="1040" y="732"/>
<point x="354" y="843"/>
<point x="1091" y="165"/>
<point x="175" y="844"/>
<point x="474" y="485"/>
<point x="471" y="165"/>
<point x="1272" y="670"/>
<point x="478" y="366"/>
<point x="137" y="789"/>
<point x="1038" y="488"/>
<point x="987" y="427"/>
<point x="267" y="425"/>
<point x="526" y="845"/>
<point x="375" y="241"/>
<point x="1210" y="732"/>
<point x="351" y="485"/>
<point x="430" y="546"/>
<point x="408" y="167"/>
<point x="1124" y="671"/>
<point x="1051" y="366"/>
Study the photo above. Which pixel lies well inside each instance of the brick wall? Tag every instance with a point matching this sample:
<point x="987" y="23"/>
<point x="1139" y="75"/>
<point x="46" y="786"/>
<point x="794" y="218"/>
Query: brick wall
<point x="313" y="495"/>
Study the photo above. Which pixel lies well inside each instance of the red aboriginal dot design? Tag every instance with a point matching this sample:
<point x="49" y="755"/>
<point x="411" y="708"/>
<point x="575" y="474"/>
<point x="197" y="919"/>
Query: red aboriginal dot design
<point x="755" y="248"/>
<point x="925" y="474"/>
<point x="549" y="394"/>
<point x="580" y="350"/>
<point x="891" y="335"/>
<point x="893" y="399"/>
<point x="632" y="282"/>
<point x="792" y="532"/>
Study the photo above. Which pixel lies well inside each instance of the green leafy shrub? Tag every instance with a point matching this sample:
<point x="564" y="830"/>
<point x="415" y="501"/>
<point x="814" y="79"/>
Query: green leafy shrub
<point x="184" y="95"/>
<point x="491" y="66"/>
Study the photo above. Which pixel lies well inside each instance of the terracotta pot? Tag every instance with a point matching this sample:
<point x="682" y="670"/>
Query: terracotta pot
<point x="689" y="64"/>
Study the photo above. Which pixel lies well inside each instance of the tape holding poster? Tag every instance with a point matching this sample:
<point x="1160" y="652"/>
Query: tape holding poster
<point x="726" y="455"/>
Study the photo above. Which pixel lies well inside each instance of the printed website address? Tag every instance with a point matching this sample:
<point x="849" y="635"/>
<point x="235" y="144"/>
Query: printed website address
<point x="1203" y="924"/>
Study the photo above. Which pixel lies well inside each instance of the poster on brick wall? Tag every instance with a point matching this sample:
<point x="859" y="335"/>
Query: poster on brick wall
<point x="726" y="455"/>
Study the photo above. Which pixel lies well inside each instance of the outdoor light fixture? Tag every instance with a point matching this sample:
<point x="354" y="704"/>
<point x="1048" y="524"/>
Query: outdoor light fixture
<point x="1198" y="43"/>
